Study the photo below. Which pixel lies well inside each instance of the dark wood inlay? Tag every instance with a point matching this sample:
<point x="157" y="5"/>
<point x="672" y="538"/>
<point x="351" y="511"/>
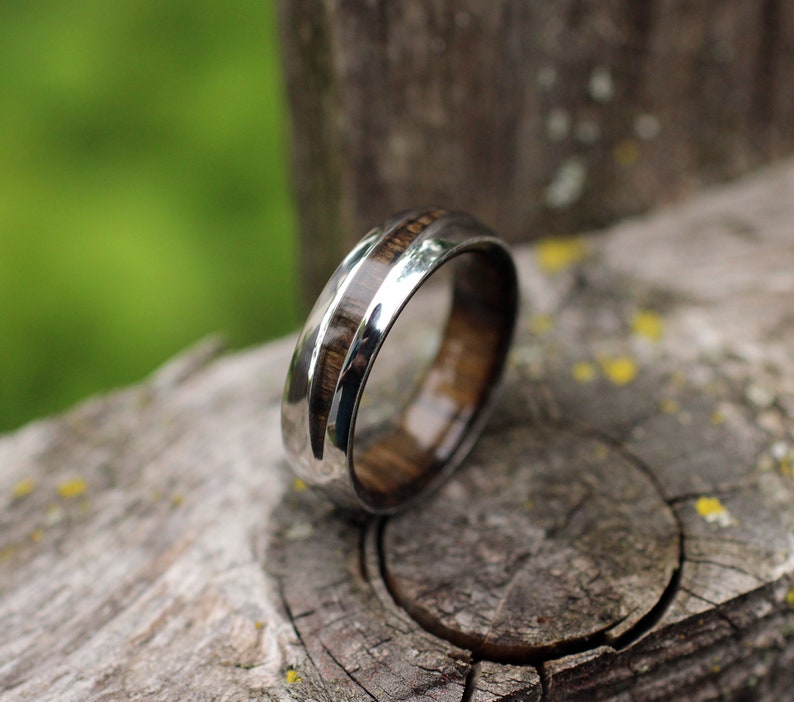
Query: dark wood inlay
<point x="348" y="317"/>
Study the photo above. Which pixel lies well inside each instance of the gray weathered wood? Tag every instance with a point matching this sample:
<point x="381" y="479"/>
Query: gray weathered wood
<point x="624" y="529"/>
<point x="538" y="117"/>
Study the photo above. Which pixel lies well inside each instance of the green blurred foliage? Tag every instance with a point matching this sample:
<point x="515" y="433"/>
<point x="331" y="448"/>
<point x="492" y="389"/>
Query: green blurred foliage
<point x="143" y="194"/>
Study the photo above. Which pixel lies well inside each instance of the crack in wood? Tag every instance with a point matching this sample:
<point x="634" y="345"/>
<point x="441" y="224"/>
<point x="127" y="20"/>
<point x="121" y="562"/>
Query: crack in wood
<point x="716" y="605"/>
<point x="726" y="566"/>
<point x="647" y="623"/>
<point x="471" y="682"/>
<point x="348" y="672"/>
<point x="296" y="630"/>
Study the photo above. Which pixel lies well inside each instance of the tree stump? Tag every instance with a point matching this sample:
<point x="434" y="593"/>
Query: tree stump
<point x="537" y="117"/>
<point x="624" y="529"/>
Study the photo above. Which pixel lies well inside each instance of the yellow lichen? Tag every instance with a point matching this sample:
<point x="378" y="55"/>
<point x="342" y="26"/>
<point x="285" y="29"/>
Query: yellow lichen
<point x="37" y="535"/>
<point x="790" y="598"/>
<point x="72" y="488"/>
<point x="583" y="372"/>
<point x="669" y="406"/>
<point x="23" y="488"/>
<point x="717" y="418"/>
<point x="292" y="676"/>
<point x="259" y="625"/>
<point x="7" y="552"/>
<point x="627" y="152"/>
<point x="648" y="324"/>
<point x="713" y="511"/>
<point x="602" y="451"/>
<point x="621" y="370"/>
<point x="709" y="506"/>
<point x="678" y="379"/>
<point x="298" y="485"/>
<point x="177" y="499"/>
<point x="554" y="255"/>
<point x="540" y="324"/>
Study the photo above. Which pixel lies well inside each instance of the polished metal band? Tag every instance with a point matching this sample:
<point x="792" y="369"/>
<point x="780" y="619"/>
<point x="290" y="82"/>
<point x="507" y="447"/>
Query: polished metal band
<point x="339" y="344"/>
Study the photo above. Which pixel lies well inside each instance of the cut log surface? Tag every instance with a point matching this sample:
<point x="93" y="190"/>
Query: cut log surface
<point x="624" y="529"/>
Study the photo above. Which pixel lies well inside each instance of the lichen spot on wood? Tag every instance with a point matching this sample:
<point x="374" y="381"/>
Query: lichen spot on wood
<point x="760" y="395"/>
<point x="601" y="87"/>
<point x="626" y="153"/>
<point x="298" y="485"/>
<point x="790" y="598"/>
<point x="7" y="552"/>
<point x="54" y="514"/>
<point x="783" y="455"/>
<point x="568" y="184"/>
<point x="621" y="370"/>
<point x="292" y="676"/>
<point x="72" y="488"/>
<point x="558" y="125"/>
<point x="713" y="511"/>
<point x="299" y="531"/>
<point x="540" y="324"/>
<point x="23" y="488"/>
<point x="557" y="254"/>
<point x="647" y="127"/>
<point x="648" y="324"/>
<point x="583" y="372"/>
<point x="669" y="406"/>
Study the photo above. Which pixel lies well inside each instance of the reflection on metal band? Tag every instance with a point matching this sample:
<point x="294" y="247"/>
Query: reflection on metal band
<point x="339" y="344"/>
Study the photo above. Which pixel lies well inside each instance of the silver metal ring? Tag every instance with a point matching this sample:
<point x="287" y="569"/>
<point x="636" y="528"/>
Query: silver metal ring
<point x="339" y="344"/>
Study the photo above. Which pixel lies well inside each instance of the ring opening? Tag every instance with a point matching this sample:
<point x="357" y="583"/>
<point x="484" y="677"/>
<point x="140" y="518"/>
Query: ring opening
<point x="433" y="428"/>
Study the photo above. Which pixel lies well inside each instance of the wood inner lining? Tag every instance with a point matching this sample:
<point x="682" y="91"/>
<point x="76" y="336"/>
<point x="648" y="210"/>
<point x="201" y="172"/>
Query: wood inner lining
<point x="412" y="449"/>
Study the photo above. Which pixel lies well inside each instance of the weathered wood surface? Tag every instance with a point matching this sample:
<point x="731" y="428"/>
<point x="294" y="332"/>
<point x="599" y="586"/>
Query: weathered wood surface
<point x="624" y="530"/>
<point x="537" y="117"/>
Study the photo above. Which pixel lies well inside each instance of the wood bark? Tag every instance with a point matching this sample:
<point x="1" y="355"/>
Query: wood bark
<point x="623" y="530"/>
<point x="537" y="117"/>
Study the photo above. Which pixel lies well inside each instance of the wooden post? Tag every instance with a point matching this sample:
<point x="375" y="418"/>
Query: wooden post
<point x="538" y="117"/>
<point x="623" y="529"/>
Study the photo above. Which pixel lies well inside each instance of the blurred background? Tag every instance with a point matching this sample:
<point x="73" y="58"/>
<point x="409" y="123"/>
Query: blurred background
<point x="143" y="191"/>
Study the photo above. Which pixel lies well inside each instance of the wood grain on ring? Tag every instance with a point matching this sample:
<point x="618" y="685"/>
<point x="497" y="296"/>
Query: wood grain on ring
<point x="348" y="317"/>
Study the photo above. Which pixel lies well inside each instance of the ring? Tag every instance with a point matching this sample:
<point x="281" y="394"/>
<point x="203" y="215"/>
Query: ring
<point x="339" y="343"/>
